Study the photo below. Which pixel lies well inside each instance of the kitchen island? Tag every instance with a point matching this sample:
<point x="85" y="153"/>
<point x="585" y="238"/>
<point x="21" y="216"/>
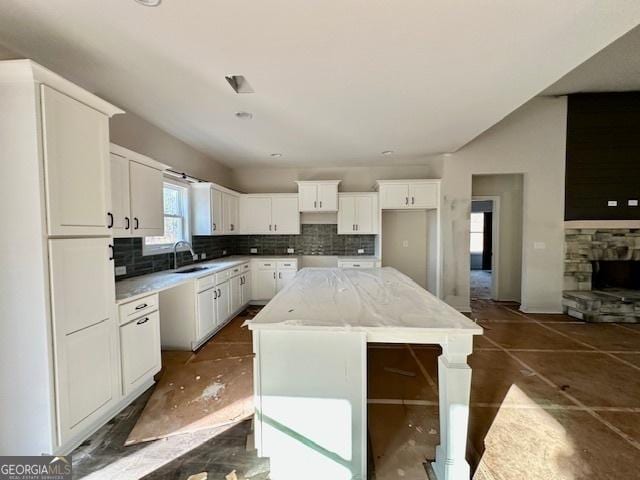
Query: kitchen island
<point x="310" y="345"/>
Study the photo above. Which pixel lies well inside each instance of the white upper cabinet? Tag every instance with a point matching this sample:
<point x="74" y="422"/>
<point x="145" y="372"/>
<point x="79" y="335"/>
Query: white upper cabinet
<point x="230" y="213"/>
<point x="147" y="208"/>
<point x="76" y="158"/>
<point x="214" y="210"/>
<point x="136" y="194"/>
<point x="265" y="214"/>
<point x="120" y="200"/>
<point x="318" y="196"/>
<point x="409" y="194"/>
<point x="357" y="213"/>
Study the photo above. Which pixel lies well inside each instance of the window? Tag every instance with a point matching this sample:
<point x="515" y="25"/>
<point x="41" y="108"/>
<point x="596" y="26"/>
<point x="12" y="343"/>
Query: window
<point x="176" y="219"/>
<point x="477" y="233"/>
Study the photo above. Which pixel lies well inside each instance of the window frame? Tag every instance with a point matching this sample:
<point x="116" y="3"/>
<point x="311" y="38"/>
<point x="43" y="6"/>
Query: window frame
<point x="472" y="231"/>
<point x="162" y="248"/>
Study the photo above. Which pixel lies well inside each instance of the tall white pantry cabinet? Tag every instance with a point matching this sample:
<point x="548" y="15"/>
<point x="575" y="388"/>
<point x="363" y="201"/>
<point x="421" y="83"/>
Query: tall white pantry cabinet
<point x="60" y="373"/>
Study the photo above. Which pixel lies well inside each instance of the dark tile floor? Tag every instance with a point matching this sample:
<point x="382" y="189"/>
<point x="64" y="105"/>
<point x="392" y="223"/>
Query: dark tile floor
<point x="551" y="398"/>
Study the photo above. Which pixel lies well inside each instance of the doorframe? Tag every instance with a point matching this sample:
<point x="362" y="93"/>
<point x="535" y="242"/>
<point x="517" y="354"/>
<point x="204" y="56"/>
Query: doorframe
<point x="495" y="241"/>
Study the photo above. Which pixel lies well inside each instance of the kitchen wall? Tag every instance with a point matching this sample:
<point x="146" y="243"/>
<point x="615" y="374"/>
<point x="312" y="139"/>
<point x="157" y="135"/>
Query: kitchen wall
<point x="530" y="141"/>
<point x="354" y="179"/>
<point x="410" y="258"/>
<point x="509" y="189"/>
<point x="314" y="240"/>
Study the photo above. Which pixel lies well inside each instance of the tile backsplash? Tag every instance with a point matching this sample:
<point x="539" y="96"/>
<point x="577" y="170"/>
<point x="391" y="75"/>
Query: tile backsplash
<point x="314" y="239"/>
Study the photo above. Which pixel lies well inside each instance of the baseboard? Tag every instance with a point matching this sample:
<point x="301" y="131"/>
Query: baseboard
<point x="462" y="308"/>
<point x="124" y="402"/>
<point x="555" y="309"/>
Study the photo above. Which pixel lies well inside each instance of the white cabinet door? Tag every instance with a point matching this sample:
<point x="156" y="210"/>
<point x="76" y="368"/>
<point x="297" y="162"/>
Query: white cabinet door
<point x="366" y="214"/>
<point x="423" y="195"/>
<point x="217" y="224"/>
<point x="285" y="215"/>
<point x="147" y="205"/>
<point x="264" y="287"/>
<point x="120" y="206"/>
<point x="284" y="278"/>
<point x="247" y="294"/>
<point x="235" y="293"/>
<point x="307" y="197"/>
<point x="76" y="158"/>
<point x="230" y="213"/>
<point x="255" y="214"/>
<point x="84" y="330"/>
<point x="206" y="313"/>
<point x="346" y="215"/>
<point x="394" y="195"/>
<point x="223" y="303"/>
<point x="327" y="197"/>
<point x="140" y="350"/>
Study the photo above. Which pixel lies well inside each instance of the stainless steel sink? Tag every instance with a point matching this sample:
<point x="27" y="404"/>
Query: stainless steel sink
<point x="192" y="269"/>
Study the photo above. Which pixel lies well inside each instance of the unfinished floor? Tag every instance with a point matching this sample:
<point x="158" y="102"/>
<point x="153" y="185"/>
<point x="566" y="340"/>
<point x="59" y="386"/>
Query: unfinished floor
<point x="551" y="398"/>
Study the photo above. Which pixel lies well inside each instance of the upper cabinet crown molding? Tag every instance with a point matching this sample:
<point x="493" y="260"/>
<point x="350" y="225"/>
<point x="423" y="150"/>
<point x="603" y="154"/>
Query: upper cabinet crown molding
<point x="409" y="194"/>
<point x="12" y="71"/>
<point x="318" y="195"/>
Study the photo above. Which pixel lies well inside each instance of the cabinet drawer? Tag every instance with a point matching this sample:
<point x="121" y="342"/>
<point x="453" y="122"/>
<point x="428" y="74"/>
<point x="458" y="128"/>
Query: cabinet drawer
<point x="223" y="276"/>
<point x="235" y="271"/>
<point x="139" y="307"/>
<point x="266" y="265"/>
<point x="140" y="350"/>
<point x="245" y="267"/>
<point x="365" y="264"/>
<point x="288" y="265"/>
<point x="205" y="282"/>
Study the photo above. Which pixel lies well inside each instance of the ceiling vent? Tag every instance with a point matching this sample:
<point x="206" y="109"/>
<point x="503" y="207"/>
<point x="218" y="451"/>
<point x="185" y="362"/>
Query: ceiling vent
<point x="239" y="84"/>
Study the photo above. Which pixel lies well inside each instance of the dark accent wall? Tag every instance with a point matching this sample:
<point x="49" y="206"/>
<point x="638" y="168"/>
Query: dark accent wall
<point x="314" y="239"/>
<point x="603" y="156"/>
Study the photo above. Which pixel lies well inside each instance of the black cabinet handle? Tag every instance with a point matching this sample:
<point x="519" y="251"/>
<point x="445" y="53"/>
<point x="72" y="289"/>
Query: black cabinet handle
<point x="275" y="228"/>
<point x="269" y="227"/>
<point x="214" y="227"/>
<point x="215" y="294"/>
<point x="126" y="219"/>
<point x="315" y="204"/>
<point x="406" y="200"/>
<point x="320" y="203"/>
<point x="111" y="248"/>
<point x="144" y="320"/>
<point x="137" y="223"/>
<point x="110" y="215"/>
<point x="413" y="200"/>
<point x="141" y="306"/>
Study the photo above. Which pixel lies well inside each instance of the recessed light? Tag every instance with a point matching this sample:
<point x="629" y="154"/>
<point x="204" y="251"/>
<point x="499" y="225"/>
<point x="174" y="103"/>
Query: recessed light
<point x="149" y="3"/>
<point x="387" y="152"/>
<point x="447" y="154"/>
<point x="276" y="155"/>
<point x="244" y="115"/>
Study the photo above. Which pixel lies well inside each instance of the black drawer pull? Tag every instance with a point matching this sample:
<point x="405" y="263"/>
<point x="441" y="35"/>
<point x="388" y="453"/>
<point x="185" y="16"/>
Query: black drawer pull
<point x="141" y="306"/>
<point x="144" y="320"/>
<point x="110" y="215"/>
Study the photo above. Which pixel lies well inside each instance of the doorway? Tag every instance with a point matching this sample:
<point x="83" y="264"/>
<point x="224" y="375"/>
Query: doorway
<point x="483" y="246"/>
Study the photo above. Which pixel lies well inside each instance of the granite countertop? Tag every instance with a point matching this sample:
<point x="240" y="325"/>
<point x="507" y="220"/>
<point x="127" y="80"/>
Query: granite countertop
<point x="133" y="288"/>
<point x="360" y="300"/>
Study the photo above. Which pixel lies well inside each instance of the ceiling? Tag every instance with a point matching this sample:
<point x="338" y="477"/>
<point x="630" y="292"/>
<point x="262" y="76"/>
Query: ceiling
<point x="336" y="81"/>
<point x="616" y="68"/>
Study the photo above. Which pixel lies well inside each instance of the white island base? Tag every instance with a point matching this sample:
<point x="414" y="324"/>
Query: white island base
<point x="310" y="370"/>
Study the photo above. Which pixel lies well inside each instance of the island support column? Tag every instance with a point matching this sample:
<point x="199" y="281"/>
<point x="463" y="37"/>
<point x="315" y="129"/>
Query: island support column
<point x="454" y="386"/>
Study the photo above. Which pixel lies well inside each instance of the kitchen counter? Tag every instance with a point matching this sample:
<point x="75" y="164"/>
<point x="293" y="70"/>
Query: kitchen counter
<point x="132" y="288"/>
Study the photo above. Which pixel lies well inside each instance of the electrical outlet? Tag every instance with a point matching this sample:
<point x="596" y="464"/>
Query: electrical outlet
<point x="360" y="250"/>
<point x="405" y="243"/>
<point x="203" y="256"/>
<point x="194" y="257"/>
<point x="612" y="203"/>
<point x="224" y="252"/>
<point x="121" y="271"/>
<point x="290" y="250"/>
<point x="253" y="250"/>
<point x="632" y="203"/>
<point x="539" y="245"/>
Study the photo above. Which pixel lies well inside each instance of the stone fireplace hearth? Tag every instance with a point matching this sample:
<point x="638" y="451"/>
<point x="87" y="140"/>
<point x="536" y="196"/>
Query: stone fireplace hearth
<point x="600" y="285"/>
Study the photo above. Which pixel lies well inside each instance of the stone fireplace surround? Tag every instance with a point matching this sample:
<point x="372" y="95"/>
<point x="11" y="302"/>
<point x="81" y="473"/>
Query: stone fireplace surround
<point x="582" y="247"/>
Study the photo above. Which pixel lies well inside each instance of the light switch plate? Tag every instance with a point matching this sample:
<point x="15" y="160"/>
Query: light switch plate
<point x="405" y="243"/>
<point x="290" y="250"/>
<point x="360" y="250"/>
<point x="253" y="250"/>
<point x="612" y="203"/>
<point x="121" y="270"/>
<point x="539" y="245"/>
<point x="224" y="252"/>
<point x="632" y="203"/>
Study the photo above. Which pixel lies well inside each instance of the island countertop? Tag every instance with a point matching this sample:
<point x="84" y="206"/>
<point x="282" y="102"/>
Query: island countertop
<point x="360" y="299"/>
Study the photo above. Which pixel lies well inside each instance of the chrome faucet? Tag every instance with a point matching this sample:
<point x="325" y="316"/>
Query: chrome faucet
<point x="175" y="251"/>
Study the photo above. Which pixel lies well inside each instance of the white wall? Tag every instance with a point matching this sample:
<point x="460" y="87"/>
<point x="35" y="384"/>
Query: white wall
<point x="530" y="141"/>
<point x="408" y="226"/>
<point x="509" y="189"/>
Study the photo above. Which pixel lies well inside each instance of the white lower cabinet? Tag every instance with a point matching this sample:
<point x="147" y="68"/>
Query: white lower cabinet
<point x="206" y="313"/>
<point x="236" y="293"/>
<point x="223" y="303"/>
<point x="270" y="276"/>
<point x="140" y="351"/>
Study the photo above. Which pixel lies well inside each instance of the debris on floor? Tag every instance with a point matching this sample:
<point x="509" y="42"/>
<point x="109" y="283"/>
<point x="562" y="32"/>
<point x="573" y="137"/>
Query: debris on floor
<point x="198" y="476"/>
<point x="231" y="476"/>
<point x="399" y="371"/>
